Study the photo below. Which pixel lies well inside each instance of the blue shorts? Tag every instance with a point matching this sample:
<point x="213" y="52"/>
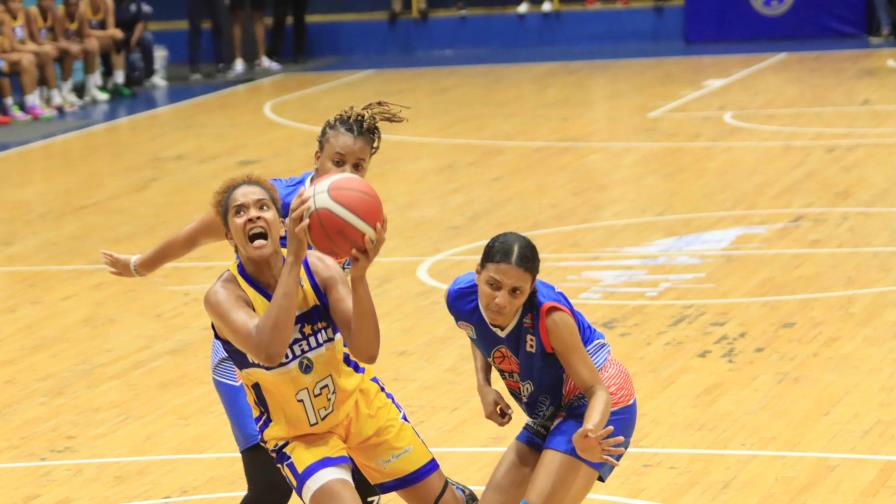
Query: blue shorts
<point x="4" y="68"/>
<point x="559" y="436"/>
<point x="233" y="398"/>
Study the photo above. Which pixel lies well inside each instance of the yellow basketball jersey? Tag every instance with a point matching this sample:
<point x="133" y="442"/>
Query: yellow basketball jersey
<point x="71" y="25"/>
<point x="19" y="31"/>
<point x="309" y="391"/>
<point x="44" y="26"/>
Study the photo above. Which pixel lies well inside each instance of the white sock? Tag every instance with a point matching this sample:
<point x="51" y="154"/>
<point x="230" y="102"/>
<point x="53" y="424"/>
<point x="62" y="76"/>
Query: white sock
<point x="67" y="86"/>
<point x="55" y="96"/>
<point x="118" y="77"/>
<point x="31" y="99"/>
<point x="96" y="79"/>
<point x="9" y="103"/>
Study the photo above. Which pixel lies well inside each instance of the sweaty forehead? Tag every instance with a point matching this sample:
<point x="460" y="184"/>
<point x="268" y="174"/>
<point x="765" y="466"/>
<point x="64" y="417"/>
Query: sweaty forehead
<point x="340" y="140"/>
<point x="247" y="194"/>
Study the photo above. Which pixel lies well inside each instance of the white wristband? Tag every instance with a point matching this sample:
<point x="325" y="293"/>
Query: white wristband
<point x="134" y="265"/>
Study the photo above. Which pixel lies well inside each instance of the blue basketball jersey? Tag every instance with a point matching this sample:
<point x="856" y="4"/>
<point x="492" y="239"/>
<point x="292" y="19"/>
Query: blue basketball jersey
<point x="522" y="353"/>
<point x="288" y="188"/>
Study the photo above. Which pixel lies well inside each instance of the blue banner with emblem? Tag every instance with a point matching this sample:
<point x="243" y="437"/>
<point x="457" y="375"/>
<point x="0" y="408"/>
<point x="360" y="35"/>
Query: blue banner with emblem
<point x="731" y="20"/>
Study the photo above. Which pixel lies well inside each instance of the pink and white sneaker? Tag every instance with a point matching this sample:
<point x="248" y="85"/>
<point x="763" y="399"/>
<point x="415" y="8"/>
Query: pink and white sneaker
<point x="16" y="114"/>
<point x="39" y="113"/>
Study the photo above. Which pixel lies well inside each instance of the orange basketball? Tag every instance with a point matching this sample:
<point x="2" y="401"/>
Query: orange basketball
<point x="344" y="209"/>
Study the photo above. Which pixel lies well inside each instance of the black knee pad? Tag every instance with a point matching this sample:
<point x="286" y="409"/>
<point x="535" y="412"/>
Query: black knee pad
<point x="364" y="487"/>
<point x="266" y="483"/>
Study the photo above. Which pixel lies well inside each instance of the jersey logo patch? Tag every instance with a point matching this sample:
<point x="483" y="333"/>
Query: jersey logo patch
<point x="306" y="365"/>
<point x="467" y="328"/>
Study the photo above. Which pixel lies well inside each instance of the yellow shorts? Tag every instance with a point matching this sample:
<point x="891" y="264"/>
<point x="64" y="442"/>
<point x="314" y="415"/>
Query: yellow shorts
<point x="376" y="435"/>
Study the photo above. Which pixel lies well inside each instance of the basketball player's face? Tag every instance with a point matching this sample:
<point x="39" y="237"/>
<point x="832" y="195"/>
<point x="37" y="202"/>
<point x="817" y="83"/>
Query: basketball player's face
<point x="503" y="288"/>
<point x="46" y="5"/>
<point x="253" y="221"/>
<point x="343" y="153"/>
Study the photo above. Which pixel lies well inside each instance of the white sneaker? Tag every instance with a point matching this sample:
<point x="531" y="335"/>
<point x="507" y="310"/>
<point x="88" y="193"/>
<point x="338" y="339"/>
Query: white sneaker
<point x="157" y="81"/>
<point x="547" y="7"/>
<point x="56" y="101"/>
<point x="268" y="64"/>
<point x="195" y="77"/>
<point x="69" y="97"/>
<point x="96" y="96"/>
<point x="238" y="68"/>
<point x="523" y="8"/>
<point x="891" y="63"/>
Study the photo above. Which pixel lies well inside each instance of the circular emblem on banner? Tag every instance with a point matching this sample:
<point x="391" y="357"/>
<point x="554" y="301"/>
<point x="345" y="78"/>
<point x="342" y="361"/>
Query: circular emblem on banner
<point x="306" y="365"/>
<point x="469" y="329"/>
<point x="772" y="8"/>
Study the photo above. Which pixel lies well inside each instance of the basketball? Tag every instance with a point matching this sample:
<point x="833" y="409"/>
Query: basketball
<point x="344" y="209"/>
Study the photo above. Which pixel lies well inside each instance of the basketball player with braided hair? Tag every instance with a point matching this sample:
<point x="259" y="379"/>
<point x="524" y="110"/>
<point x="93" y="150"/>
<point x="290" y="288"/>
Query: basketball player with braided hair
<point x="578" y="399"/>
<point x="346" y="144"/>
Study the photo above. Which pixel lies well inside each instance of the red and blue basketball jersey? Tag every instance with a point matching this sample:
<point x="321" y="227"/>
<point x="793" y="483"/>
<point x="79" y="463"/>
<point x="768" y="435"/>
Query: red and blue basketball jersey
<point x="522" y="353"/>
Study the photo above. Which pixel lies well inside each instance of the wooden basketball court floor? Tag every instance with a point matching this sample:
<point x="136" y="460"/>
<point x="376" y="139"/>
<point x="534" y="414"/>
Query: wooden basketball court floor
<point x="729" y="222"/>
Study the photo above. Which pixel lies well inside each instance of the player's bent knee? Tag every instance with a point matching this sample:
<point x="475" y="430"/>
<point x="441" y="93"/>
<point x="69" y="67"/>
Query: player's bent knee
<point x="322" y="483"/>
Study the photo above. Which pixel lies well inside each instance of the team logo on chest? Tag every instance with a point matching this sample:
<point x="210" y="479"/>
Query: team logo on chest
<point x="508" y="367"/>
<point x="306" y="365"/>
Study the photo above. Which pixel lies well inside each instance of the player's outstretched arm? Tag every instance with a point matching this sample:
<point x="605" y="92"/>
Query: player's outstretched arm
<point x="206" y="229"/>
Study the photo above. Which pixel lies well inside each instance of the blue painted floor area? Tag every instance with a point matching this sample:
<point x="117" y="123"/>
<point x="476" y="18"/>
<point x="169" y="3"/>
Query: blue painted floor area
<point x="647" y="49"/>
<point x="16" y="135"/>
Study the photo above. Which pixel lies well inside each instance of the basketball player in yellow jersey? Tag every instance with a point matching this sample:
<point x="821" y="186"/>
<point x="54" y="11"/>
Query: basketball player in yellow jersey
<point x="46" y="29"/>
<point x="45" y="55"/>
<point x="293" y="326"/>
<point x="100" y="16"/>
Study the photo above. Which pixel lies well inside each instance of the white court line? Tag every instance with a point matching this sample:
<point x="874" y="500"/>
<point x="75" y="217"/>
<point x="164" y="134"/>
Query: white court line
<point x="190" y="498"/>
<point x="729" y="119"/>
<point x="717" y="84"/>
<point x="758" y="299"/>
<point x="791" y="110"/>
<point x="268" y="106"/>
<point x="145" y="113"/>
<point x="425" y="277"/>
<point x="671" y="451"/>
<point x="478" y="488"/>
<point x="268" y="110"/>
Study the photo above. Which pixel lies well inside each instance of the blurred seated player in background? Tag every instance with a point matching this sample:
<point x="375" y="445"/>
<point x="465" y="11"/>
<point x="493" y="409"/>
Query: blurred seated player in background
<point x="45" y="54"/>
<point x="46" y="28"/>
<point x="25" y="66"/>
<point x="73" y="21"/>
<point x="100" y="15"/>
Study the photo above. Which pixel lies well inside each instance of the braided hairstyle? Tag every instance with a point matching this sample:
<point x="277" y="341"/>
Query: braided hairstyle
<point x="362" y="123"/>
